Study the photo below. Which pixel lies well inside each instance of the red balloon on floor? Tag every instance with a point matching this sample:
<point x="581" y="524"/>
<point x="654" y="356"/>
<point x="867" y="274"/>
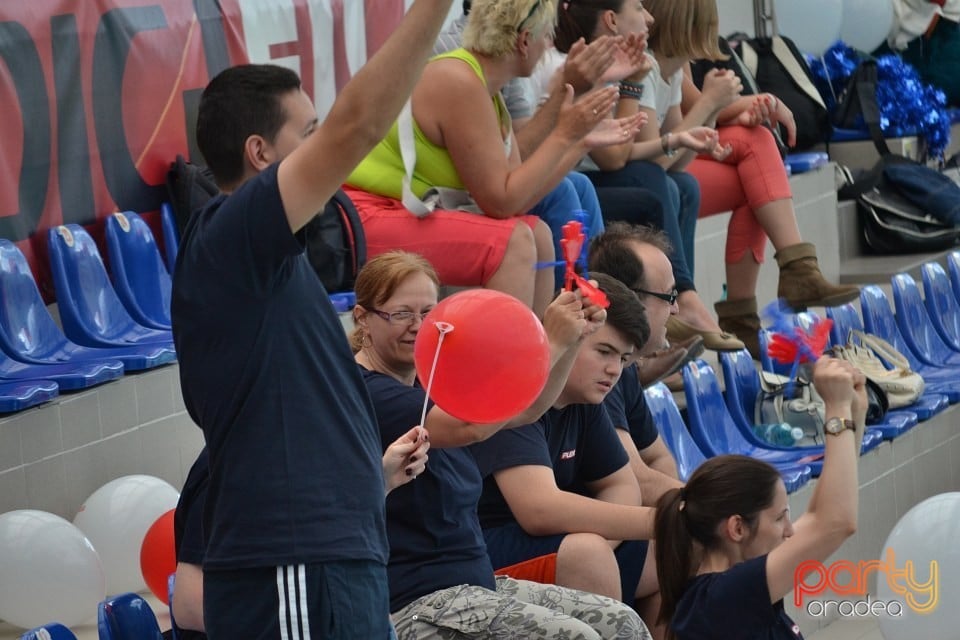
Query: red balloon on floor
<point x="158" y="557"/>
<point x="493" y="363"/>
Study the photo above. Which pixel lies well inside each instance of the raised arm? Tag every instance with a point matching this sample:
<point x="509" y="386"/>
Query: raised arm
<point x="361" y="115"/>
<point x="831" y="515"/>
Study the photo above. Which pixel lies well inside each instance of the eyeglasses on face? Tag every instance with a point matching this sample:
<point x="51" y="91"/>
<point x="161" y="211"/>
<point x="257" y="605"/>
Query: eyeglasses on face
<point x="400" y="317"/>
<point x="669" y="298"/>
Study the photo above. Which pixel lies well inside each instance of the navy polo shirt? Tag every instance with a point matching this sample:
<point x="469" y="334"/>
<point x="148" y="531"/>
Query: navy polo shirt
<point x="627" y="406"/>
<point x="732" y="605"/>
<point x="578" y="442"/>
<point x="432" y="525"/>
<point x="266" y="371"/>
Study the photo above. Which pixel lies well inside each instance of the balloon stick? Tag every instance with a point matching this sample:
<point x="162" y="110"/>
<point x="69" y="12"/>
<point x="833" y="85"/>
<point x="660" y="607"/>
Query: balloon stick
<point x="444" y="328"/>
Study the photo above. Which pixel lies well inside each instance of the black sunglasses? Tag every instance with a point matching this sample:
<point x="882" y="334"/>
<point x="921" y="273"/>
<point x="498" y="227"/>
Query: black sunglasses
<point x="669" y="298"/>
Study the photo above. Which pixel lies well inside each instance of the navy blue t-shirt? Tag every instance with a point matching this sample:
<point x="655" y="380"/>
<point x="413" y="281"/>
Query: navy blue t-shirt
<point x="732" y="605"/>
<point x="627" y="407"/>
<point x="266" y="371"/>
<point x="435" y="537"/>
<point x="578" y="442"/>
<point x="188" y="537"/>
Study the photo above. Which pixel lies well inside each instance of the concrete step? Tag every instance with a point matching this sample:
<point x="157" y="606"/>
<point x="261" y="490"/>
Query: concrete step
<point x="859" y="266"/>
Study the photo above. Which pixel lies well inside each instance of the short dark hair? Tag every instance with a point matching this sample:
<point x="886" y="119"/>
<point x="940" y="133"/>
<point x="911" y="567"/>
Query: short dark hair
<point x="240" y="102"/>
<point x="625" y="313"/>
<point x="610" y="252"/>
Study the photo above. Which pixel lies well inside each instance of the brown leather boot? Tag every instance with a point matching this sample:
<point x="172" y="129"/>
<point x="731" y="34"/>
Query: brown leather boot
<point x="801" y="283"/>
<point x="740" y="317"/>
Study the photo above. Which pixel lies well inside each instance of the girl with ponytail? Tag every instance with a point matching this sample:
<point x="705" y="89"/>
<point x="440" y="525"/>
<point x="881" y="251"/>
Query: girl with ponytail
<point x="727" y="552"/>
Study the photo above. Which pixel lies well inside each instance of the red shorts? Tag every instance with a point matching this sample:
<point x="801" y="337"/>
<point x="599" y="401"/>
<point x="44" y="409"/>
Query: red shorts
<point x="541" y="569"/>
<point x="466" y="249"/>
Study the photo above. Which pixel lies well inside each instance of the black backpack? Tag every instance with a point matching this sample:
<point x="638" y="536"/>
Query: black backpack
<point x="780" y="68"/>
<point x="335" y="244"/>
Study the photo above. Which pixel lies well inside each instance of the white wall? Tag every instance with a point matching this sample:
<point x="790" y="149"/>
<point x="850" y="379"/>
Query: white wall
<point x="736" y="15"/>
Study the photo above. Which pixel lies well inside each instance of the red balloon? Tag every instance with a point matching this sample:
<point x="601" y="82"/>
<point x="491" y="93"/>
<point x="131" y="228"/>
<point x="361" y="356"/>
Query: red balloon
<point x="158" y="557"/>
<point x="493" y="363"/>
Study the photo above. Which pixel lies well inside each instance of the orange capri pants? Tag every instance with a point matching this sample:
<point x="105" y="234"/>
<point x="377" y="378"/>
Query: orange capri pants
<point x="751" y="176"/>
<point x="466" y="249"/>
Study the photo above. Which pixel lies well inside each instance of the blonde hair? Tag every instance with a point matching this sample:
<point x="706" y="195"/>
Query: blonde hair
<point x="685" y="29"/>
<point x="493" y="25"/>
<point x="380" y="278"/>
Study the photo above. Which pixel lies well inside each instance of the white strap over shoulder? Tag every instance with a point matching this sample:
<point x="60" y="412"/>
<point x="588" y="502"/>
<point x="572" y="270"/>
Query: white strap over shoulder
<point x="408" y="153"/>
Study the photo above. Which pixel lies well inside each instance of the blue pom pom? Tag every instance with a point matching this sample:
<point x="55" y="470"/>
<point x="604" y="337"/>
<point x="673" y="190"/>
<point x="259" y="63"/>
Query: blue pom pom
<point x="908" y="106"/>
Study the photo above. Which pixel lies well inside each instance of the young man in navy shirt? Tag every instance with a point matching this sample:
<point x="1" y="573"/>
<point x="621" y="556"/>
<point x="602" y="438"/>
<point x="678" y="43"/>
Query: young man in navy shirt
<point x="294" y="517"/>
<point x="563" y="485"/>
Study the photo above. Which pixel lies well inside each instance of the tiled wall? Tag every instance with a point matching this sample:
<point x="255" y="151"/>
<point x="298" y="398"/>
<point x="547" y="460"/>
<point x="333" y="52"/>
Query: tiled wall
<point x="54" y="456"/>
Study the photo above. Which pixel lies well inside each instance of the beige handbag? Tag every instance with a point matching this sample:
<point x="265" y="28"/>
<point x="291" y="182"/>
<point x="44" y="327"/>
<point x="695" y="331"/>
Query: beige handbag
<point x="864" y="350"/>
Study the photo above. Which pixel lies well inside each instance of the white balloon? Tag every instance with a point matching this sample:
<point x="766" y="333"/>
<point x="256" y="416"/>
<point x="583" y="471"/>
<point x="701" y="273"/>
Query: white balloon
<point x="925" y="534"/>
<point x="813" y="25"/>
<point x="866" y="23"/>
<point x="116" y="518"/>
<point x="48" y="571"/>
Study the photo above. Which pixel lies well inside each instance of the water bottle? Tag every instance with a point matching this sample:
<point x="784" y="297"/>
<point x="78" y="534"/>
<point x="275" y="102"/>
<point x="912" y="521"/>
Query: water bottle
<point x="780" y="434"/>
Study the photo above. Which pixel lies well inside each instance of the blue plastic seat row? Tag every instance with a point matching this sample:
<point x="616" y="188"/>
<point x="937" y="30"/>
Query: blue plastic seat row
<point x="37" y="360"/>
<point x="690" y="451"/>
<point x="122" y="617"/>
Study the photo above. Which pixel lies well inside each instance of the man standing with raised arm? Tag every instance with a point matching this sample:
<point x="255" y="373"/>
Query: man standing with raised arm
<point x="294" y="518"/>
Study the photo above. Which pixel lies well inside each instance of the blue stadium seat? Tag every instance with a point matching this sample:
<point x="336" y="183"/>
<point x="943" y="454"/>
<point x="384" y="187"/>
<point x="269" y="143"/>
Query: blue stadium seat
<point x="17" y="396"/>
<point x="942" y="306"/>
<point x="670" y="424"/>
<point x="742" y="385"/>
<point x="52" y="631"/>
<point x="171" y="584"/>
<point x="879" y="320"/>
<point x="915" y="324"/>
<point x="140" y="278"/>
<point x="29" y="334"/>
<point x="846" y="319"/>
<point x="716" y="434"/>
<point x="953" y="266"/>
<point x="171" y="236"/>
<point x="90" y="310"/>
<point x="127" y="617"/>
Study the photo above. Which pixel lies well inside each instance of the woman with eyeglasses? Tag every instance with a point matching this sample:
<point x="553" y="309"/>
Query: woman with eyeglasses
<point x="463" y="139"/>
<point x="440" y="578"/>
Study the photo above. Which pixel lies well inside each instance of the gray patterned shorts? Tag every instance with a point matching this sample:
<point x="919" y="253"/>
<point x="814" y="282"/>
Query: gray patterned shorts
<point x="517" y="609"/>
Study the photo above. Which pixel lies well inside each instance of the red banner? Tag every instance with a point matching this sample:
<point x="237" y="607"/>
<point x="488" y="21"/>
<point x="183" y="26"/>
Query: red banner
<point x="99" y="96"/>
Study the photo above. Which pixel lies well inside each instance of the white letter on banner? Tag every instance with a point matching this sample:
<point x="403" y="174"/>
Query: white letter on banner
<point x="266" y="23"/>
<point x="325" y="55"/>
<point x="324" y="74"/>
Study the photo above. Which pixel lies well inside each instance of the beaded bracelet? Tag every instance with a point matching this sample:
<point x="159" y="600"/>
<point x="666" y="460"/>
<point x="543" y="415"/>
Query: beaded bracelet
<point x="630" y="89"/>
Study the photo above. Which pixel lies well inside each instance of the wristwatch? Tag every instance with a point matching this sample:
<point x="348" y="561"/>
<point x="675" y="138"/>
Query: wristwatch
<point x="835" y="426"/>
